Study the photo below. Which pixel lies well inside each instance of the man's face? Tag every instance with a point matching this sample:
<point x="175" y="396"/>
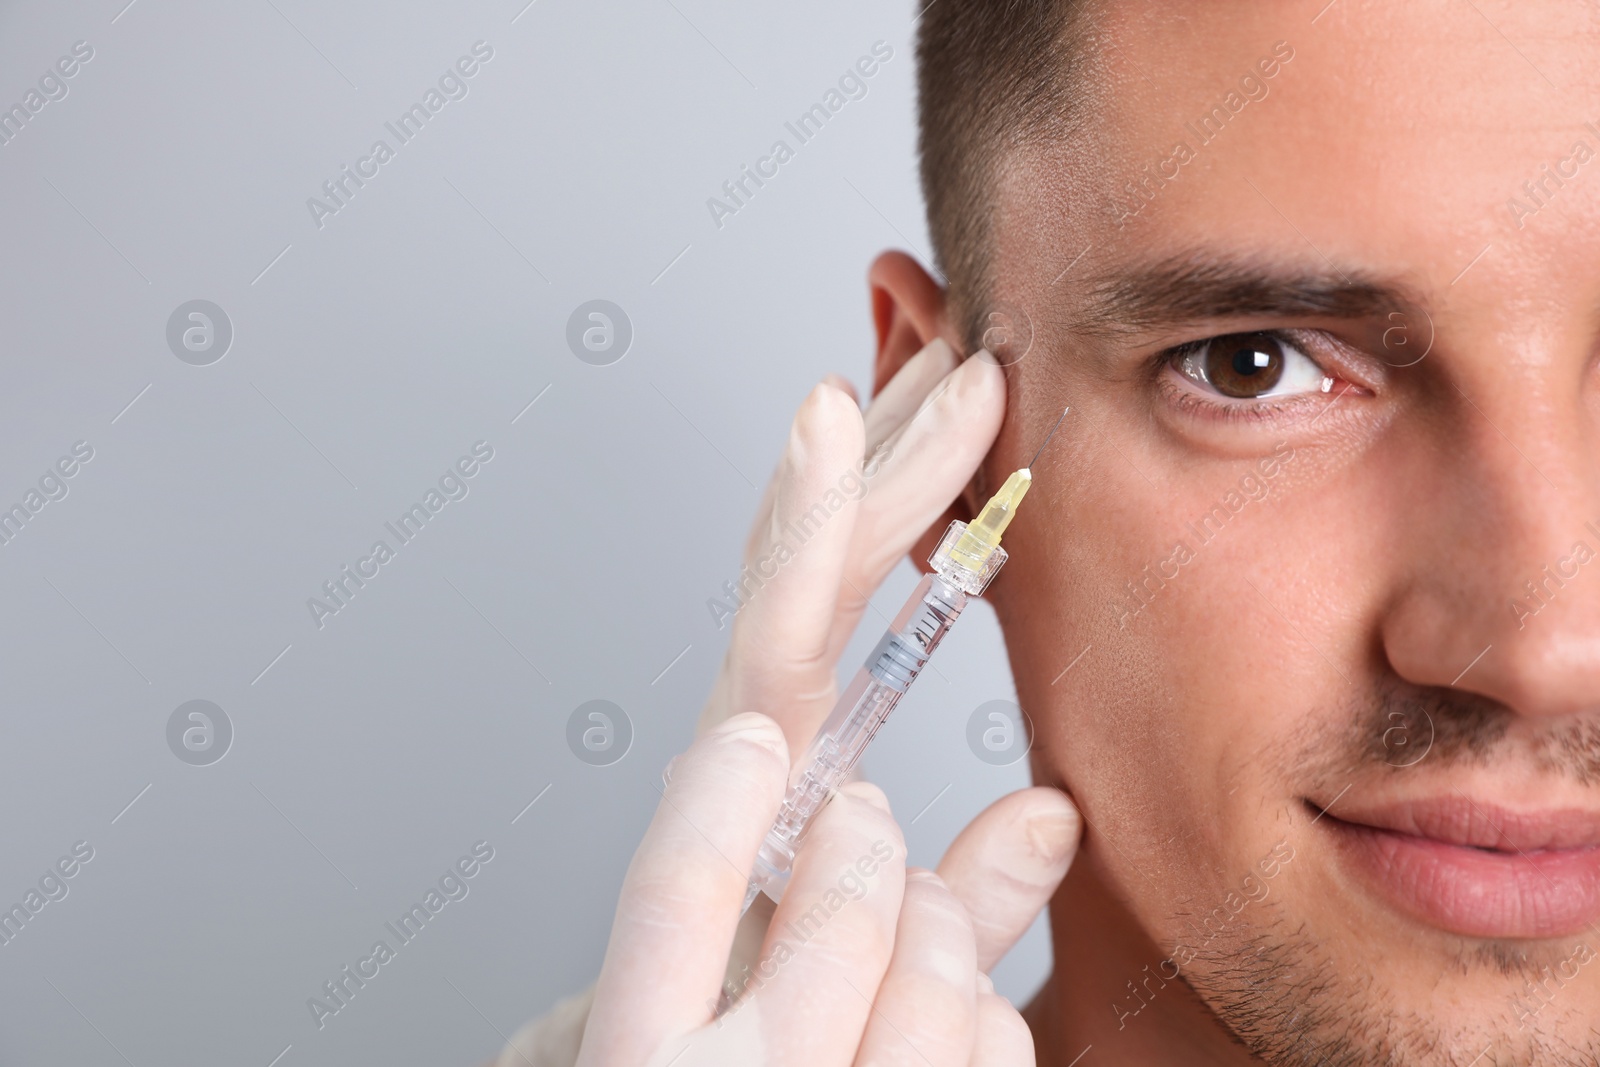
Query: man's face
<point x="1335" y="584"/>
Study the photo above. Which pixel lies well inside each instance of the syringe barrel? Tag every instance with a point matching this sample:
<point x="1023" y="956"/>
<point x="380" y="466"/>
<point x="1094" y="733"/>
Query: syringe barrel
<point x="863" y="706"/>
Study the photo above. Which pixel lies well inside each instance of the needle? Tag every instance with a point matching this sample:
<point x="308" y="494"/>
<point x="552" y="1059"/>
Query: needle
<point x="1047" y="437"/>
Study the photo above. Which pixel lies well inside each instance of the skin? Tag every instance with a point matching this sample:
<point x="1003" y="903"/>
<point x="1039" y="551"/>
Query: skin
<point x="1201" y="735"/>
<point x="1386" y="555"/>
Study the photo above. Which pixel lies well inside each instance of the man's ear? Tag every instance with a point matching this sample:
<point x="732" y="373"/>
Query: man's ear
<point x="908" y="309"/>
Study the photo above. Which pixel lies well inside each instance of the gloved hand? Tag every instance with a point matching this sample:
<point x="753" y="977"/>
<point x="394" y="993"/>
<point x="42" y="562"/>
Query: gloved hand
<point x="864" y="961"/>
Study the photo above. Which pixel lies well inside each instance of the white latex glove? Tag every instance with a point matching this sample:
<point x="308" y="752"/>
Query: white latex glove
<point x="864" y="962"/>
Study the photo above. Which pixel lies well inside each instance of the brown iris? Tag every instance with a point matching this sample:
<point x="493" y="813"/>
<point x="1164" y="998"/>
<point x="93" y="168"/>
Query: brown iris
<point x="1244" y="365"/>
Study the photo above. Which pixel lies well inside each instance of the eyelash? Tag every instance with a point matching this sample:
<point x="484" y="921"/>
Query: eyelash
<point x="1190" y="401"/>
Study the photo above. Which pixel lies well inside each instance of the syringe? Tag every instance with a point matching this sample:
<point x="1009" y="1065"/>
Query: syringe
<point x="967" y="558"/>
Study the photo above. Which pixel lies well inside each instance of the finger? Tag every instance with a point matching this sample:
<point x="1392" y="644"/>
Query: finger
<point x="680" y="900"/>
<point x="916" y="475"/>
<point x="843" y="384"/>
<point x="890" y="410"/>
<point x="1003" y="1038"/>
<point x="925" y="1013"/>
<point x="833" y="933"/>
<point x="762" y="523"/>
<point x="1007" y="863"/>
<point x="760" y="526"/>
<point x="907" y="391"/>
<point x="757" y="537"/>
<point x="777" y="655"/>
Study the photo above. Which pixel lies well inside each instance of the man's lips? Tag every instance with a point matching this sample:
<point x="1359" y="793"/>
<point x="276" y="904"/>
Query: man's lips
<point x="1460" y="820"/>
<point x="1476" y="868"/>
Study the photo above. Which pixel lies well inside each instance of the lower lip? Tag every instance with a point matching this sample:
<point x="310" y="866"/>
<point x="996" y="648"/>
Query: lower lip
<point x="1475" y="892"/>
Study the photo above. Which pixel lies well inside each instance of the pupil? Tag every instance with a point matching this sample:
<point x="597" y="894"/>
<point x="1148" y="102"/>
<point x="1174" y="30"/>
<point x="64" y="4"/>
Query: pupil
<point x="1247" y="361"/>
<point x="1244" y="365"/>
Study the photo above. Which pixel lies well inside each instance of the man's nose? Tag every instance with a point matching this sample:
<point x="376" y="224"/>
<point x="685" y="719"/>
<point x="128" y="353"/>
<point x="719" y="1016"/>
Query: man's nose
<point x="1500" y="591"/>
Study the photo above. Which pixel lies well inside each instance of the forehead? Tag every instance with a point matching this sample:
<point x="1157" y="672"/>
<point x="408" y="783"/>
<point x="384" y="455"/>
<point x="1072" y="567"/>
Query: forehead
<point x="1396" y="139"/>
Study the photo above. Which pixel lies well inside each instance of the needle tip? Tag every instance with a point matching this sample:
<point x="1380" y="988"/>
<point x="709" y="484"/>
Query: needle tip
<point x="1047" y="437"/>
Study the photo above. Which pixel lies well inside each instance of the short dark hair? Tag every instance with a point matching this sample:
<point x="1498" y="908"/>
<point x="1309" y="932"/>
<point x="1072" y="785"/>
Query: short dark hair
<point x="991" y="74"/>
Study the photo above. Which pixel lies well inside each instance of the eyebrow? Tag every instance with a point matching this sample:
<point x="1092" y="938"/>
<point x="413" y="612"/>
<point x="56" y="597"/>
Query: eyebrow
<point x="1192" y="287"/>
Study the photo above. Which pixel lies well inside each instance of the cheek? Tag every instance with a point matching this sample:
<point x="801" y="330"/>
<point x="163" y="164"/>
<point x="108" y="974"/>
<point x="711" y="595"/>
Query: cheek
<point x="1096" y="577"/>
<point x="1173" y="729"/>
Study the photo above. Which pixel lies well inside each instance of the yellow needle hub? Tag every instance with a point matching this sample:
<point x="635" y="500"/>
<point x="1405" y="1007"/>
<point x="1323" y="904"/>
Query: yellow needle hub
<point x="982" y="536"/>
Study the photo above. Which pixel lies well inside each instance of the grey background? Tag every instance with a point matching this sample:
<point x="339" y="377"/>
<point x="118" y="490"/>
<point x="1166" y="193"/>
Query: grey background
<point x="368" y="356"/>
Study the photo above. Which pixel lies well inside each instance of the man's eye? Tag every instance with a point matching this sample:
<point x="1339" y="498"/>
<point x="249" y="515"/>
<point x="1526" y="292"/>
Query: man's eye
<point x="1250" y="366"/>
